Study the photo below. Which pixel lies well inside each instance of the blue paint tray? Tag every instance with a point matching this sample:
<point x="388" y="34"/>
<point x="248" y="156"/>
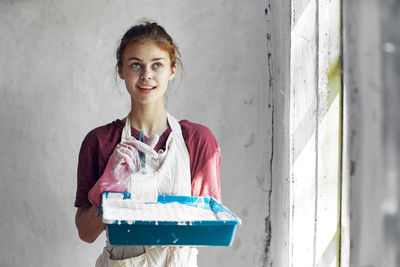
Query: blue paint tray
<point x="217" y="232"/>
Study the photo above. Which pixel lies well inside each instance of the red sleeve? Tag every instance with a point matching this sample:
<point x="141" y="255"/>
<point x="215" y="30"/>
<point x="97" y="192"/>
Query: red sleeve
<point x="88" y="171"/>
<point x="205" y="159"/>
<point x="206" y="181"/>
<point x="95" y="150"/>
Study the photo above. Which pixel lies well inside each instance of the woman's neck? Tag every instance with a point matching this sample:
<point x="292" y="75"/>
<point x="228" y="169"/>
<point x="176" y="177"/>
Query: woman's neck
<point x="150" y="118"/>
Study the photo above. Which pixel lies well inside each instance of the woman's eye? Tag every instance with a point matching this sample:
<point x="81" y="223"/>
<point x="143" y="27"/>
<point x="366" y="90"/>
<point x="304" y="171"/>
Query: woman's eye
<point x="135" y="66"/>
<point x="157" y="65"/>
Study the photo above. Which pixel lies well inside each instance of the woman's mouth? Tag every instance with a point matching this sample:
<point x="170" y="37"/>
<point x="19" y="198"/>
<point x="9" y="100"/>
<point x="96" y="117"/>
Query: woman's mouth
<point x="146" y="89"/>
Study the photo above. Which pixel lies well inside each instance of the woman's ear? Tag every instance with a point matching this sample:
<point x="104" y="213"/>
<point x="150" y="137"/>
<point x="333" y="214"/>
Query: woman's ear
<point x="173" y="72"/>
<point x="120" y="73"/>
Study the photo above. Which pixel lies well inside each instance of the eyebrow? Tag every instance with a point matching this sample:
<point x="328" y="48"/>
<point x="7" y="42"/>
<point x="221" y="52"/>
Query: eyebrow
<point x="154" y="59"/>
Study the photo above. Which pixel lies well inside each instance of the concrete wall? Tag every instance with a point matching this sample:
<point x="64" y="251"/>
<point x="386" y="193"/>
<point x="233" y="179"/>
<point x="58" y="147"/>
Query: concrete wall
<point x="57" y="82"/>
<point x="278" y="27"/>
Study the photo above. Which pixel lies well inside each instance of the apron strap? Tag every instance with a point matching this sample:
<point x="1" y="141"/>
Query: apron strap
<point x="174" y="124"/>
<point x="126" y="131"/>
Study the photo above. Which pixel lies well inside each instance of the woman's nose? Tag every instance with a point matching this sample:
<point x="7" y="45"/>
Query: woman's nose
<point x="146" y="74"/>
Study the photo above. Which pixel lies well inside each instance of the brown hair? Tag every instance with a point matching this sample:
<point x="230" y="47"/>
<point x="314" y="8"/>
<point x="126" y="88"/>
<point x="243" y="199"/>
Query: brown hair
<point x="149" y="31"/>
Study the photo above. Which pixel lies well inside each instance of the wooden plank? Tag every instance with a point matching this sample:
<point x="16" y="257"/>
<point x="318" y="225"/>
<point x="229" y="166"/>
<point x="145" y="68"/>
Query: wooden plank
<point x="329" y="87"/>
<point x="315" y="133"/>
<point x="303" y="125"/>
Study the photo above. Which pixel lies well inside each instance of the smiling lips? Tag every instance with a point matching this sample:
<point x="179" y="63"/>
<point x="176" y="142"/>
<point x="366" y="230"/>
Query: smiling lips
<point x="146" y="88"/>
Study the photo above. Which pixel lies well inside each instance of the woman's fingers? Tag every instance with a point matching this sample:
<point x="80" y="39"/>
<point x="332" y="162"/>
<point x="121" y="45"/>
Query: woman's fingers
<point x="153" y="140"/>
<point x="127" y="152"/>
<point x="128" y="146"/>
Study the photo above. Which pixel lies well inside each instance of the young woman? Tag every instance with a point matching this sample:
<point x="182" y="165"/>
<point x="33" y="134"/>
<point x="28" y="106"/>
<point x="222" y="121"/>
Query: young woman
<point x="182" y="158"/>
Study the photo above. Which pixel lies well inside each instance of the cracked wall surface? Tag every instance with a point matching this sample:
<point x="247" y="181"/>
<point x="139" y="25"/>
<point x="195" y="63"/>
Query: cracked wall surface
<point x="277" y="18"/>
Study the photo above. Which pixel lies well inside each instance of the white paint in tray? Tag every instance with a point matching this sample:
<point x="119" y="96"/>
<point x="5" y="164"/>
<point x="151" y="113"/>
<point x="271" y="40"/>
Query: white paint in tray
<point x="117" y="209"/>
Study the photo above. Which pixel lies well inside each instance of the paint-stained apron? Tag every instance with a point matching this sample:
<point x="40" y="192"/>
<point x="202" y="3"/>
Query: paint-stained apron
<point x="169" y="173"/>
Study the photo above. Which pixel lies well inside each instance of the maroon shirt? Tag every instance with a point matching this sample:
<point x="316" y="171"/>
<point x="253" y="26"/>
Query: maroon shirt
<point x="204" y="153"/>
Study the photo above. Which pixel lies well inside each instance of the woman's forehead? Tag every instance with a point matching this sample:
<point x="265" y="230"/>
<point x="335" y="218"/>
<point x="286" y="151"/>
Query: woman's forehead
<point x="145" y="51"/>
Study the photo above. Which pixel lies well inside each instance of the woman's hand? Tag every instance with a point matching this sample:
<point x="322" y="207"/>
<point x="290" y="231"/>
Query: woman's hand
<point x="122" y="163"/>
<point x="88" y="222"/>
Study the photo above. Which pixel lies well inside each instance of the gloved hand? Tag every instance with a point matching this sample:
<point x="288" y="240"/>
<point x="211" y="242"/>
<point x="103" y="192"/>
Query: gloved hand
<point x="143" y="184"/>
<point x="122" y="163"/>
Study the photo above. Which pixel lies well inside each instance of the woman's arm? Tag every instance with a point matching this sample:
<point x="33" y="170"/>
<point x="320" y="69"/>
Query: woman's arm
<point x="89" y="224"/>
<point x="206" y="179"/>
<point x="205" y="159"/>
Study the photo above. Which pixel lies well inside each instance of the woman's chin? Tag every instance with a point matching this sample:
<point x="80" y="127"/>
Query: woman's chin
<point x="148" y="99"/>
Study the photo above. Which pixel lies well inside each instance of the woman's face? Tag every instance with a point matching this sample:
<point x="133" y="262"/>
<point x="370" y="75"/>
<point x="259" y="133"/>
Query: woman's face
<point x="146" y="69"/>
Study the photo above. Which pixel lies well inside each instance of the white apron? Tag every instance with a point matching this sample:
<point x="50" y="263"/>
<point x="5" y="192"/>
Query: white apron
<point x="169" y="173"/>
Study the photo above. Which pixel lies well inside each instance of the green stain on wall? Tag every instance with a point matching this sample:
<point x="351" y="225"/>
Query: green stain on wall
<point x="335" y="90"/>
<point x="329" y="253"/>
<point x="334" y="80"/>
